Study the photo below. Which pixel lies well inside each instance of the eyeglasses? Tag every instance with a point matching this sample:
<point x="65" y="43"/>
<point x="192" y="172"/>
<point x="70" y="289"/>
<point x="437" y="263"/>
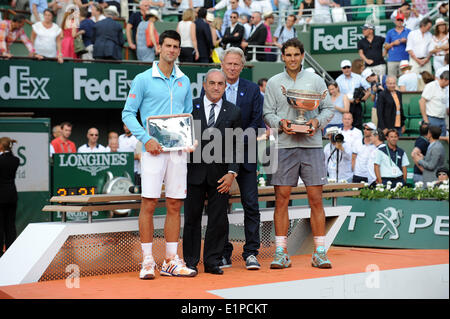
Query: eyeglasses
<point x="233" y="17"/>
<point x="346" y="67"/>
<point x="368" y="128"/>
<point x="400" y="20"/>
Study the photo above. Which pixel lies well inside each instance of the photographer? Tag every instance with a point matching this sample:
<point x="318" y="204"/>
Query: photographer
<point x="338" y="156"/>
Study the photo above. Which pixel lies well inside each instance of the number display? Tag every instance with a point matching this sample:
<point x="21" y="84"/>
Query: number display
<point x="71" y="191"/>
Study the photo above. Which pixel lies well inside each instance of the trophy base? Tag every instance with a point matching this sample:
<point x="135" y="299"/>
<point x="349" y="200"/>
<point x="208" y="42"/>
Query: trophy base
<point x="300" y="128"/>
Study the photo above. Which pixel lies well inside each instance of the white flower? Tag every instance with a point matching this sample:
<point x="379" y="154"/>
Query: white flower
<point x="388" y="186"/>
<point x="331" y="180"/>
<point x="430" y="184"/>
<point x="399" y="184"/>
<point x="445" y="182"/>
<point x="343" y="181"/>
<point x="389" y="183"/>
<point x="366" y="184"/>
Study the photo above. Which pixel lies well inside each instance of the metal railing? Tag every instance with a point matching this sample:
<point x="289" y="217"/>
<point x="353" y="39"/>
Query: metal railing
<point x="274" y="50"/>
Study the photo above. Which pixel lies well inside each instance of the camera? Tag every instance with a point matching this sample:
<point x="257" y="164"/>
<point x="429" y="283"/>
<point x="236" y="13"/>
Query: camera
<point x="336" y="135"/>
<point x="359" y="93"/>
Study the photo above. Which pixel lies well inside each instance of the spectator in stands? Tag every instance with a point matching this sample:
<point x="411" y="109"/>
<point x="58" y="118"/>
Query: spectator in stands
<point x="46" y="37"/>
<point x="390" y="108"/>
<point x="412" y="19"/>
<point x="357" y="66"/>
<point x="362" y="153"/>
<point x="56" y="131"/>
<point x="62" y="144"/>
<point x="269" y="19"/>
<point x="395" y="44"/>
<point x="226" y="17"/>
<point x="421" y="6"/>
<point x="420" y="146"/>
<point x="408" y="80"/>
<point x="147" y="38"/>
<point x="97" y="12"/>
<point x="285" y="32"/>
<point x="251" y="6"/>
<point x="257" y="36"/>
<point x="87" y="29"/>
<point x="349" y="84"/>
<point x="113" y="136"/>
<point x="391" y="7"/>
<point x="375" y="88"/>
<point x="284" y="9"/>
<point x="133" y="23"/>
<point x="305" y="11"/>
<point x="69" y="26"/>
<point x="434" y="158"/>
<point x="262" y="85"/>
<point x="10" y="31"/>
<point x="377" y="139"/>
<point x="216" y="26"/>
<point x="341" y="105"/>
<point x="443" y="68"/>
<point x="439" y="43"/>
<point x="347" y="4"/>
<point x="204" y="37"/>
<point x="391" y="161"/>
<point x="370" y="49"/>
<point x="442" y="175"/>
<point x="322" y="11"/>
<point x="338" y="157"/>
<point x="244" y="20"/>
<point x="9" y="164"/>
<point x="186" y="29"/>
<point x="417" y="46"/>
<point x="128" y="143"/>
<point x="116" y="3"/>
<point x="108" y="37"/>
<point x="352" y="135"/>
<point x="442" y="9"/>
<point x="113" y="146"/>
<point x="92" y="146"/>
<point x="426" y="78"/>
<point x="234" y="34"/>
<point x="37" y="8"/>
<point x="59" y="7"/>
<point x="434" y="101"/>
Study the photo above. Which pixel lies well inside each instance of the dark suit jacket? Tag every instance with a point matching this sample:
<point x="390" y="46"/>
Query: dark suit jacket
<point x="234" y="41"/>
<point x="386" y="110"/>
<point x="108" y="40"/>
<point x="8" y="168"/>
<point x="250" y="101"/>
<point x="258" y="37"/>
<point x="229" y="117"/>
<point x="204" y="38"/>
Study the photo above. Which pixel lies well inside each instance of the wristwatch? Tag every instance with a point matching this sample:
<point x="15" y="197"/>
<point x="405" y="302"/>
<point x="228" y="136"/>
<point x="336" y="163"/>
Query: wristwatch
<point x="234" y="173"/>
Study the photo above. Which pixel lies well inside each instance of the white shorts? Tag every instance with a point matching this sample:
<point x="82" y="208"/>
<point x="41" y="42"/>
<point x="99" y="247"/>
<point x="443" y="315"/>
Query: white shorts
<point x="169" y="168"/>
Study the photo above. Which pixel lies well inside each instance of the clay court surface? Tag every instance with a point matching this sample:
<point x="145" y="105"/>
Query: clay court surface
<point x="345" y="261"/>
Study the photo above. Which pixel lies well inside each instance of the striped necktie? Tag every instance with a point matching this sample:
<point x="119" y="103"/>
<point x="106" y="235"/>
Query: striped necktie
<point x="212" y="116"/>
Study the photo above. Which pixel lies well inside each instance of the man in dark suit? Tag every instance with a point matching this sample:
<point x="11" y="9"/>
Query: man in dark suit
<point x="233" y="34"/>
<point x="245" y="95"/>
<point x="204" y="37"/>
<point x="258" y="35"/>
<point x="210" y="175"/>
<point x="108" y="38"/>
<point x="8" y="199"/>
<point x="389" y="108"/>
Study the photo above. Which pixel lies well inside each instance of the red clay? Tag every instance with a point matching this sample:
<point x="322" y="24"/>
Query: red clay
<point x="128" y="285"/>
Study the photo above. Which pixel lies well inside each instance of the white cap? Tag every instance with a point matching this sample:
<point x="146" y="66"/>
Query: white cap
<point x="404" y="64"/>
<point x="210" y="17"/>
<point x="152" y="12"/>
<point x="370" y="125"/>
<point x="346" y="63"/>
<point x="112" y="10"/>
<point x="333" y="130"/>
<point x="366" y="73"/>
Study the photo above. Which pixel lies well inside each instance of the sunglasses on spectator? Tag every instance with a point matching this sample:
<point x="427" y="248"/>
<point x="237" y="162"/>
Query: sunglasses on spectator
<point x="346" y="67"/>
<point x="368" y="128"/>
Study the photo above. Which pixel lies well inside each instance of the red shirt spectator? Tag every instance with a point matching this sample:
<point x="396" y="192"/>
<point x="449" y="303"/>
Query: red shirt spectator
<point x="62" y="144"/>
<point x="10" y="31"/>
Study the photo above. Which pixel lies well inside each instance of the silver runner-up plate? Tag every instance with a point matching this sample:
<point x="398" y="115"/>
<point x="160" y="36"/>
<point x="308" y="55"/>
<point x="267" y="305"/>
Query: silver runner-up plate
<point x="172" y="132"/>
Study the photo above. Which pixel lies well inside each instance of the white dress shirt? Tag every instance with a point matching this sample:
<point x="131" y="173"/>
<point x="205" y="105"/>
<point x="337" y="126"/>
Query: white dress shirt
<point x="419" y="43"/>
<point x="207" y="104"/>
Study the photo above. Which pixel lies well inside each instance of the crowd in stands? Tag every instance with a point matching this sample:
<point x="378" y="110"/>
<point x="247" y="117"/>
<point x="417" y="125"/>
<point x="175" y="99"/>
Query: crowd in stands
<point x="410" y="58"/>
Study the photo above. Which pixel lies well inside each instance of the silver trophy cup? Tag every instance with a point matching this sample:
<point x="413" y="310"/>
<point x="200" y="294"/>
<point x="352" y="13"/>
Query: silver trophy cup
<point x="302" y="101"/>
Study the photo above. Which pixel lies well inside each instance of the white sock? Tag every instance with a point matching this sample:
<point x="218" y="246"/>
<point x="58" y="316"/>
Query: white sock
<point x="281" y="241"/>
<point x="319" y="241"/>
<point x="171" y="249"/>
<point x="146" y="249"/>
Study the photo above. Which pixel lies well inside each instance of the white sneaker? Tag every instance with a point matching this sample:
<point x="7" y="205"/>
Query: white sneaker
<point x="176" y="267"/>
<point x="148" y="268"/>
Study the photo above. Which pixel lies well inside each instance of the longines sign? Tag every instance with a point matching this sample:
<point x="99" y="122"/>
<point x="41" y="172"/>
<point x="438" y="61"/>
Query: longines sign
<point x="47" y="84"/>
<point x="327" y="39"/>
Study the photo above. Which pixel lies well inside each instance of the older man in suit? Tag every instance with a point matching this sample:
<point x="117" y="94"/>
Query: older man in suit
<point x="258" y="35"/>
<point x="108" y="37"/>
<point x="210" y="178"/>
<point x="245" y="95"/>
